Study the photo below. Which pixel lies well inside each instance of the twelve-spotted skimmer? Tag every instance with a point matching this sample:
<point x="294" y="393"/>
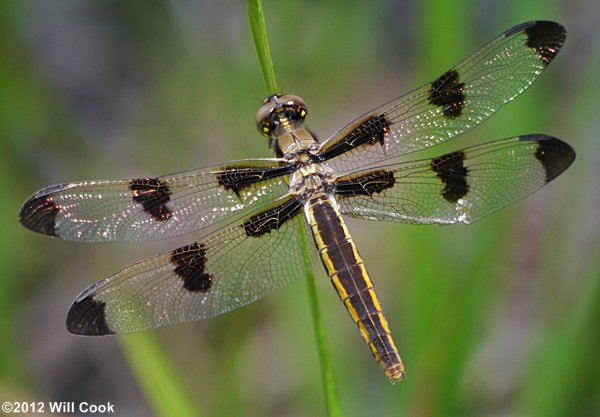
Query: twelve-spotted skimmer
<point x="258" y="214"/>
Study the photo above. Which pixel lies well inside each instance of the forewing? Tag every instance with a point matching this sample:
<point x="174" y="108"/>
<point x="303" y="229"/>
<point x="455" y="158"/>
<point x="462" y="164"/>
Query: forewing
<point x="230" y="268"/>
<point x="455" y="102"/>
<point x="155" y="208"/>
<point x="459" y="187"/>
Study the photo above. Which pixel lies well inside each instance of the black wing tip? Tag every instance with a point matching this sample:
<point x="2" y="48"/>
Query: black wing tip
<point x="543" y="36"/>
<point x="39" y="214"/>
<point x="555" y="155"/>
<point x="88" y="317"/>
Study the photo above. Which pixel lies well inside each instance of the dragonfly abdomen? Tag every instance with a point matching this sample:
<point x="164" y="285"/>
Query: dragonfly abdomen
<point x="350" y="278"/>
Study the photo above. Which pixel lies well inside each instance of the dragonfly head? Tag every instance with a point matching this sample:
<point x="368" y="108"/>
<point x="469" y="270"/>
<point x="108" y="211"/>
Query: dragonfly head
<point x="280" y="113"/>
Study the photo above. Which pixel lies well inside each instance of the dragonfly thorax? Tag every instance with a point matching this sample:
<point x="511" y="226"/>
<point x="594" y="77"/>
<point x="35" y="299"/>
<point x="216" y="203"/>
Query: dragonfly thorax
<point x="310" y="179"/>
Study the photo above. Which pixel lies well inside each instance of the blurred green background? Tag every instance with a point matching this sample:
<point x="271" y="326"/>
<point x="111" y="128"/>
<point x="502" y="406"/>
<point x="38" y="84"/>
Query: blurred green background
<point x="500" y="318"/>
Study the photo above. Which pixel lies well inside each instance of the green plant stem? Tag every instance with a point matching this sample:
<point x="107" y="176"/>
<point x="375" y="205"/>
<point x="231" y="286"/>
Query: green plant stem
<point x="256" y="16"/>
<point x="329" y="384"/>
<point x="157" y="378"/>
<point x="259" y="34"/>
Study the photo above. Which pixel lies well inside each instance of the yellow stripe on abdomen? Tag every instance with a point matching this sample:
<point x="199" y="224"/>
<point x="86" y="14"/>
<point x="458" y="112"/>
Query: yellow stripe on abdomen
<point x="350" y="278"/>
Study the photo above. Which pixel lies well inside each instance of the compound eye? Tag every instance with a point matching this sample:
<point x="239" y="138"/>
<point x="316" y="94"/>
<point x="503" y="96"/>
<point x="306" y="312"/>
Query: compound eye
<point x="263" y="115"/>
<point x="296" y="104"/>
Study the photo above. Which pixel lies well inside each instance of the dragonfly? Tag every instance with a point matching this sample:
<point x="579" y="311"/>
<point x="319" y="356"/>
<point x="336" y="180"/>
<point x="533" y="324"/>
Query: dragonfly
<point x="256" y="217"/>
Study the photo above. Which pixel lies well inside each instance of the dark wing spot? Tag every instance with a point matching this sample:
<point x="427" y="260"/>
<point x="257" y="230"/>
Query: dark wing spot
<point x="447" y="92"/>
<point x="273" y="218"/>
<point x="153" y="195"/>
<point x="190" y="263"/>
<point x="453" y="174"/>
<point x="367" y="183"/>
<point x="39" y="214"/>
<point x="237" y="179"/>
<point x="555" y="156"/>
<point x="87" y="317"/>
<point x="369" y="131"/>
<point x="546" y="38"/>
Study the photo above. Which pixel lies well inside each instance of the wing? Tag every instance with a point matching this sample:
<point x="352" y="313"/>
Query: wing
<point x="155" y="208"/>
<point x="230" y="268"/>
<point x="457" y="101"/>
<point x="459" y="187"/>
